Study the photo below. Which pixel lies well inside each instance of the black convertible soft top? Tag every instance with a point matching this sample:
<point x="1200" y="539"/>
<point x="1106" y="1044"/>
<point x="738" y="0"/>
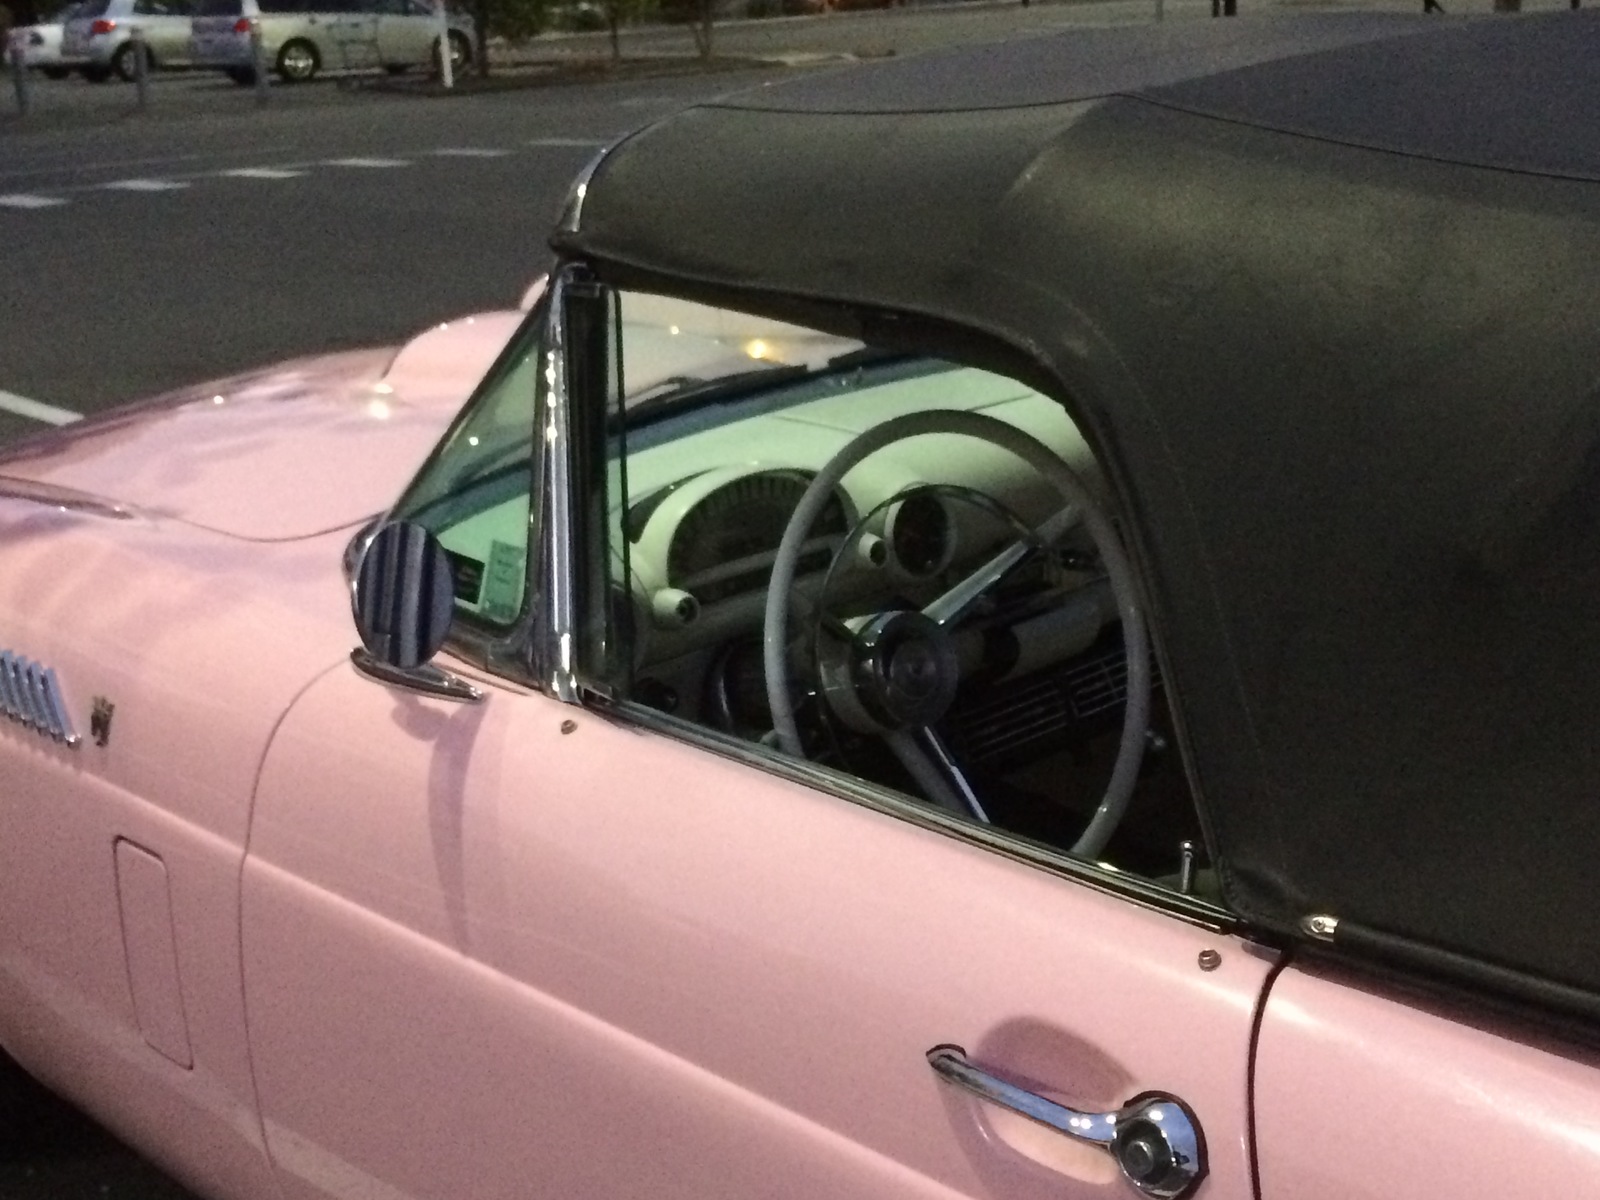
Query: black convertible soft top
<point x="1325" y="294"/>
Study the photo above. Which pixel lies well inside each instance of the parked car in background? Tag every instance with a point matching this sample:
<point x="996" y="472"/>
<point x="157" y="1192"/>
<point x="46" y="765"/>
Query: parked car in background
<point x="302" y="38"/>
<point x="1017" y="623"/>
<point x="41" y="43"/>
<point x="98" y="39"/>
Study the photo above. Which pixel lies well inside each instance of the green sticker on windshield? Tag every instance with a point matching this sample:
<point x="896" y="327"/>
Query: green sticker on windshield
<point x="503" y="581"/>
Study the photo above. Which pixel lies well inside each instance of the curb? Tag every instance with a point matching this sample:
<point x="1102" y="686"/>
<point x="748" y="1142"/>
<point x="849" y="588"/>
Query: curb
<point x="569" y="73"/>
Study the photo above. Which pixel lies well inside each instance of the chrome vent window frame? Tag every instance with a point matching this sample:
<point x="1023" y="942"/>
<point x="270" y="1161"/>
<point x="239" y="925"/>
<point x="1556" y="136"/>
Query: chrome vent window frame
<point x="63" y="499"/>
<point x="523" y="653"/>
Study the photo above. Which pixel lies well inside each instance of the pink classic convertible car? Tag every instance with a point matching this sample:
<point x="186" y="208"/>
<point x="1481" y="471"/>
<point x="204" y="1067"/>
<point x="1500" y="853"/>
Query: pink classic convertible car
<point x="1019" y="623"/>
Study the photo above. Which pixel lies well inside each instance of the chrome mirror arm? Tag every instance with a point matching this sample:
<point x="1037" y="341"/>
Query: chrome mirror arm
<point x="426" y="680"/>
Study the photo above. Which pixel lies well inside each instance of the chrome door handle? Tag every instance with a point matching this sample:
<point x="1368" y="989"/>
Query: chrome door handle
<point x="1155" y="1139"/>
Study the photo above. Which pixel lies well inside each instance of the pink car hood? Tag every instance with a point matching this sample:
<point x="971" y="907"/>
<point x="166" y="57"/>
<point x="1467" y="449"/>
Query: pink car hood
<point x="286" y="452"/>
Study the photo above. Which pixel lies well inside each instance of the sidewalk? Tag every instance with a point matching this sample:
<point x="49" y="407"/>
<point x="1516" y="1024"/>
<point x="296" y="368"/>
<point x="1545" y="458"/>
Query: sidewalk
<point x="916" y="27"/>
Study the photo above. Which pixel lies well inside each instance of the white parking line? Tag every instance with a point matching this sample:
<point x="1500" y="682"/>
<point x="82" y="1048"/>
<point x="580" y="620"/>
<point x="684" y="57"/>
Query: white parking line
<point x="73" y="162"/>
<point x="366" y="162"/>
<point x="19" y="200"/>
<point x="288" y="170"/>
<point x="144" y="185"/>
<point x="21" y="406"/>
<point x="262" y="173"/>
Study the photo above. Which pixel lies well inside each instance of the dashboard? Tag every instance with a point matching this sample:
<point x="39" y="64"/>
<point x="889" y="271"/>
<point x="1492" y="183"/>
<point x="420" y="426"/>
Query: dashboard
<point x="707" y="508"/>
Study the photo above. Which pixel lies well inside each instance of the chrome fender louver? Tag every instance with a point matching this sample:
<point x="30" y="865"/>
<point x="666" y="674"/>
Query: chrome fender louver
<point x="30" y="694"/>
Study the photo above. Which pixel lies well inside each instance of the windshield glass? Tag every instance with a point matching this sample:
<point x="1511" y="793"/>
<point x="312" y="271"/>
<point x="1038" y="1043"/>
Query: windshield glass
<point x="676" y="349"/>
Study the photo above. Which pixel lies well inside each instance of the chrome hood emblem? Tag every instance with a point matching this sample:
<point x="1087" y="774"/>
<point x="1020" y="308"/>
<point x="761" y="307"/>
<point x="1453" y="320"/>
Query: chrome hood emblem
<point x="30" y="694"/>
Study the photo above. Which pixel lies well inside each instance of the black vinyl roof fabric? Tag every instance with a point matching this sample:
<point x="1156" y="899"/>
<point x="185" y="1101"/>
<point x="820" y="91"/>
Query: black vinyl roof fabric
<point x="1325" y="295"/>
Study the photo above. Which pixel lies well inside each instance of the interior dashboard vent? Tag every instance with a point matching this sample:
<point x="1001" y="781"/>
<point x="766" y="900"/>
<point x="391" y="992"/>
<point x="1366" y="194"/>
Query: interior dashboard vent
<point x="1008" y="723"/>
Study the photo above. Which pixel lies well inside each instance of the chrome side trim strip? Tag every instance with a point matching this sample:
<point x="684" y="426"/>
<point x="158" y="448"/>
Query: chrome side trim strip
<point x="30" y="694"/>
<point x="64" y="498"/>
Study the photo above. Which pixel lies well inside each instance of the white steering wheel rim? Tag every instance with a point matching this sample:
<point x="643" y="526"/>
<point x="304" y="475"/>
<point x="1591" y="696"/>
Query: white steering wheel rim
<point x="1119" y="570"/>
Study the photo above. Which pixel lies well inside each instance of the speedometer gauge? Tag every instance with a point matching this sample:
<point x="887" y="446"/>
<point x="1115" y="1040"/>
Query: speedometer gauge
<point x="725" y="543"/>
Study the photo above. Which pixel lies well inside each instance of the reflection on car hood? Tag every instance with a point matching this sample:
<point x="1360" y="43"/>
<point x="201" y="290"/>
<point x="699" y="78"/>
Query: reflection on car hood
<point x="276" y="454"/>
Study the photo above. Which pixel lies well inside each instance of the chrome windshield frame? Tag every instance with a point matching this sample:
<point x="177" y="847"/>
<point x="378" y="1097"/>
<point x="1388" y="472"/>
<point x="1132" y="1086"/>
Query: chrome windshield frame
<point x="553" y="571"/>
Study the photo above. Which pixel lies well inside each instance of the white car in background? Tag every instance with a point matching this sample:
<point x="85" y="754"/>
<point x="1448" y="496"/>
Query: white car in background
<point x="98" y="40"/>
<point x="41" y="43"/>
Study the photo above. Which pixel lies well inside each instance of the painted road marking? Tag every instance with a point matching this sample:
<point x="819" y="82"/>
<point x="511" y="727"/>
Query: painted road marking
<point x="295" y="170"/>
<point x="144" y="185"/>
<point x="72" y="161"/>
<point x="19" y="200"/>
<point x="21" y="406"/>
<point x="262" y="173"/>
<point x="366" y="162"/>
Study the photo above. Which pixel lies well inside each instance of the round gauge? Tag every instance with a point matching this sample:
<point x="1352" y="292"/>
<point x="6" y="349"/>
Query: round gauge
<point x="723" y="546"/>
<point x="921" y="534"/>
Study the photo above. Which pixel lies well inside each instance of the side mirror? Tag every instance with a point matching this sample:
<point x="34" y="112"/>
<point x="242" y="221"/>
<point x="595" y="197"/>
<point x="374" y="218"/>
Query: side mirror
<point x="403" y="598"/>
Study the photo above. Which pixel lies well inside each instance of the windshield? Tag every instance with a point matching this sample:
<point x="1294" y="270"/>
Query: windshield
<point x="680" y="360"/>
<point x="676" y="350"/>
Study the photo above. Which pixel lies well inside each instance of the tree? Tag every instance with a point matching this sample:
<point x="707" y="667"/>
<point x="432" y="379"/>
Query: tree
<point x="701" y="27"/>
<point x="514" y="20"/>
<point x="620" y="12"/>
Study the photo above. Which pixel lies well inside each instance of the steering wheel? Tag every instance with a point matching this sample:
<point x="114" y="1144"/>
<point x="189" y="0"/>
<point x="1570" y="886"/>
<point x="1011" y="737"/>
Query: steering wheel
<point x="899" y="673"/>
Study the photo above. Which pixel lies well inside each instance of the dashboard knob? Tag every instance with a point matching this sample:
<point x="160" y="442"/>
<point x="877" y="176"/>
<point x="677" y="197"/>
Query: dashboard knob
<point x="872" y="550"/>
<point x="673" y="608"/>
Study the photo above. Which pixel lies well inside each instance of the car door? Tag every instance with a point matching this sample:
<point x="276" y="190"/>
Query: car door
<point x="525" y="946"/>
<point x="75" y="30"/>
<point x="166" y="25"/>
<point x="487" y="954"/>
<point x="406" y="31"/>
<point x="345" y="33"/>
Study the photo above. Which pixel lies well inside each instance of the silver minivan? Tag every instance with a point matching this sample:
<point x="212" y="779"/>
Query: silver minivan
<point x="300" y="38"/>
